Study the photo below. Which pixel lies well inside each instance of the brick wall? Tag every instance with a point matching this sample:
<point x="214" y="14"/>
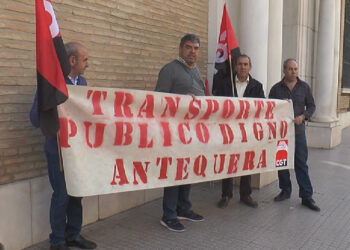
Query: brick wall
<point x="128" y="42"/>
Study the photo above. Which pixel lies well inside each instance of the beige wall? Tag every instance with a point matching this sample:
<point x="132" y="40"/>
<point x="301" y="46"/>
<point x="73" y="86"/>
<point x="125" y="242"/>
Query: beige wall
<point x="128" y="40"/>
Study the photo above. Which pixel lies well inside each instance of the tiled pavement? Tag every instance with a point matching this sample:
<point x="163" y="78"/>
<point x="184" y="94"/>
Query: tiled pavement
<point x="284" y="225"/>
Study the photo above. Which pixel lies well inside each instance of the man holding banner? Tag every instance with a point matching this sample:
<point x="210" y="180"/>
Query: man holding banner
<point x="243" y="85"/>
<point x="291" y="87"/>
<point x="65" y="210"/>
<point x="181" y="76"/>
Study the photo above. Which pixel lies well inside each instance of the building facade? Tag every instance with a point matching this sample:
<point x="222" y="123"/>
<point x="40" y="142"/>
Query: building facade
<point x="128" y="42"/>
<point x="311" y="31"/>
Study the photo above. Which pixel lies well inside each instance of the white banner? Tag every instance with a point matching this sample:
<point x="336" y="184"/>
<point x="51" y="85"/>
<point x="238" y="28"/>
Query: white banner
<point x="116" y="140"/>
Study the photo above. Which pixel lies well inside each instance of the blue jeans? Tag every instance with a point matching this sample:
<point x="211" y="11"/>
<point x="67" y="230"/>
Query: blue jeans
<point x="65" y="211"/>
<point x="301" y="170"/>
<point x="176" y="201"/>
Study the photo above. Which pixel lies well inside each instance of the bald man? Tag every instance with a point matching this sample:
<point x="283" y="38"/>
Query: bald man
<point x="66" y="213"/>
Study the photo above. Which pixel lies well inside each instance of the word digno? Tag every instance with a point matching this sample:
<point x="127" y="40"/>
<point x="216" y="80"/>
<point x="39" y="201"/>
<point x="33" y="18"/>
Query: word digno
<point x="126" y="122"/>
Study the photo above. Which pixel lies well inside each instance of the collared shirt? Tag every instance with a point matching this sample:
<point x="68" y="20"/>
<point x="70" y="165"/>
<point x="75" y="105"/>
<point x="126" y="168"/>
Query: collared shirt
<point x="74" y="80"/>
<point x="180" y="59"/>
<point x="301" y="95"/>
<point x="241" y="86"/>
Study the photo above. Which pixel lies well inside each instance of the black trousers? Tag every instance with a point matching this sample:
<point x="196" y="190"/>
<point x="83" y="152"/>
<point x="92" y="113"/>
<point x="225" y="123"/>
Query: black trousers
<point x="244" y="187"/>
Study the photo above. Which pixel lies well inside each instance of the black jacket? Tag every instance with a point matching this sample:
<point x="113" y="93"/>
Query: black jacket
<point x="222" y="87"/>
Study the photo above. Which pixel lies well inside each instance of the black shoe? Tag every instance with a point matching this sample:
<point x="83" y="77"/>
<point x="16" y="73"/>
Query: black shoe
<point x="192" y="216"/>
<point x="223" y="202"/>
<point x="310" y="203"/>
<point x="282" y="196"/>
<point x="59" y="247"/>
<point x="82" y="243"/>
<point x="173" y="225"/>
<point x="248" y="200"/>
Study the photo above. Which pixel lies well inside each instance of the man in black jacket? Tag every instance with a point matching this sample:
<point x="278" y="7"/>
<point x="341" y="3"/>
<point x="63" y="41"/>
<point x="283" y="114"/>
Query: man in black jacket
<point x="244" y="85"/>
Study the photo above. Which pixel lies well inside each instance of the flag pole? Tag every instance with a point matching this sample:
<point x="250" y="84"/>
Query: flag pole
<point x="59" y="151"/>
<point x="228" y="47"/>
<point x="231" y="70"/>
<point x="231" y="74"/>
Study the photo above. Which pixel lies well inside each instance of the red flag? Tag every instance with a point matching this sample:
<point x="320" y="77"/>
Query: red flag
<point x="52" y="67"/>
<point x="228" y="47"/>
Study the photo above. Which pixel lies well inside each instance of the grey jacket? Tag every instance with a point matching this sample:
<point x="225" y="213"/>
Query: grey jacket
<point x="177" y="78"/>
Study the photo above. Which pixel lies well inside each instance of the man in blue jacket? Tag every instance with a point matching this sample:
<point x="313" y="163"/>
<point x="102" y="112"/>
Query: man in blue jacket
<point x="66" y="213"/>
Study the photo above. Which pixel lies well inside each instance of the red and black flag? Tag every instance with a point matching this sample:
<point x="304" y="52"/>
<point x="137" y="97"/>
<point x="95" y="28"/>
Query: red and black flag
<point x="52" y="67"/>
<point x="227" y="51"/>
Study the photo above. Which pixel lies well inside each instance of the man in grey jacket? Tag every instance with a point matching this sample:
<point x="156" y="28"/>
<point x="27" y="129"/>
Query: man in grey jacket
<point x="181" y="76"/>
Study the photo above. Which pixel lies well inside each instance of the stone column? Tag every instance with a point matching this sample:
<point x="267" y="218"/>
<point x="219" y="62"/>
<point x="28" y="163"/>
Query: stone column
<point x="253" y="39"/>
<point x="274" y="64"/>
<point x="324" y="130"/>
<point x="325" y="87"/>
<point x="254" y="32"/>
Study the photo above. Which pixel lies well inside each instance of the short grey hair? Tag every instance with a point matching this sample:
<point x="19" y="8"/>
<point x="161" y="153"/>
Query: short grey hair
<point x="243" y="56"/>
<point x="285" y="63"/>
<point x="72" y="48"/>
